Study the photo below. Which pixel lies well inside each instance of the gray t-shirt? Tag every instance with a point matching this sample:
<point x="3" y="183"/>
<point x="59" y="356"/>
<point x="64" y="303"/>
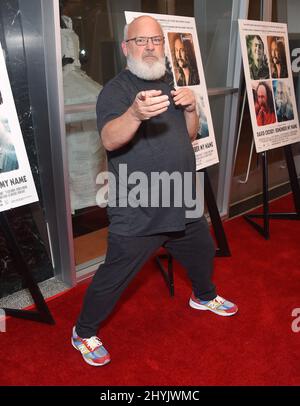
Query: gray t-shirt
<point x="160" y="144"/>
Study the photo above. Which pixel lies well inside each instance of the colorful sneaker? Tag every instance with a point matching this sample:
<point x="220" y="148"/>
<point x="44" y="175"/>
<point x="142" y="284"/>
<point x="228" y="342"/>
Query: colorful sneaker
<point x="91" y="349"/>
<point x="218" y="305"/>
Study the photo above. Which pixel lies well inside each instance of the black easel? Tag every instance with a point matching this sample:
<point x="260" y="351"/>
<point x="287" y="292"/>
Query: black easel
<point x="42" y="314"/>
<point x="266" y="215"/>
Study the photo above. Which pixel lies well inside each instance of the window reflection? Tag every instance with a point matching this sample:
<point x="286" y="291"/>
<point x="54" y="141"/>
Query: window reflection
<point x="86" y="155"/>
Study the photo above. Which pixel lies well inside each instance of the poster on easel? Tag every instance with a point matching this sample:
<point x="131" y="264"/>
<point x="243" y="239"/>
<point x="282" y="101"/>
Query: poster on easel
<point x="269" y="83"/>
<point x="182" y="51"/>
<point x="17" y="187"/>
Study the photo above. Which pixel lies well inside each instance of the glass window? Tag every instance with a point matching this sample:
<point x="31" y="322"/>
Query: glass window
<point x="214" y="24"/>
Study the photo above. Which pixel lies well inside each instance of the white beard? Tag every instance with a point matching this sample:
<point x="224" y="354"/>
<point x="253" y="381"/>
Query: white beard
<point x="146" y="71"/>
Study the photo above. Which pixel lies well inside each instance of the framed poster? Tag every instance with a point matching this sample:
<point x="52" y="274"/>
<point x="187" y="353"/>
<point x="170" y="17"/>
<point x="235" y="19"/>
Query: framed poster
<point x="17" y="187"/>
<point x="184" y="64"/>
<point x="269" y="82"/>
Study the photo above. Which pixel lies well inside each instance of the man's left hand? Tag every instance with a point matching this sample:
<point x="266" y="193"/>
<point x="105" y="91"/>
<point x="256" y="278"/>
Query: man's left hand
<point x="185" y="98"/>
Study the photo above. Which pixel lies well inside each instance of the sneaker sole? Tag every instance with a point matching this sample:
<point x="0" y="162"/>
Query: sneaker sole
<point x="94" y="364"/>
<point x="197" y="306"/>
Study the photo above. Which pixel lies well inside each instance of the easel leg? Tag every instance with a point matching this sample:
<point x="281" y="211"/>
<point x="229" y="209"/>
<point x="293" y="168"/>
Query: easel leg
<point x="265" y="230"/>
<point x="266" y="196"/>
<point x="166" y="273"/>
<point x="223" y="247"/>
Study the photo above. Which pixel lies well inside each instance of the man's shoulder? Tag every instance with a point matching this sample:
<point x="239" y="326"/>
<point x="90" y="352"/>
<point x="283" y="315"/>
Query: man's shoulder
<point x="121" y="77"/>
<point x="121" y="82"/>
<point x="116" y="93"/>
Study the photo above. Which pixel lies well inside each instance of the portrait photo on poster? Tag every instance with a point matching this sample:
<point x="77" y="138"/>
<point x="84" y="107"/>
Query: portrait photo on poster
<point x="277" y="54"/>
<point x="283" y="102"/>
<point x="263" y="102"/>
<point x="257" y="57"/>
<point x="8" y="157"/>
<point x="183" y="59"/>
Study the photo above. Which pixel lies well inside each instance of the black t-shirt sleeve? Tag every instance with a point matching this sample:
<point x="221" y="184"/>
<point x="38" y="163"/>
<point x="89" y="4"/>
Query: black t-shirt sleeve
<point x="113" y="101"/>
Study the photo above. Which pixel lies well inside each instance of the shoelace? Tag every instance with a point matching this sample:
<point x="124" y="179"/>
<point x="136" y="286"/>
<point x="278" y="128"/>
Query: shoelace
<point x="92" y="343"/>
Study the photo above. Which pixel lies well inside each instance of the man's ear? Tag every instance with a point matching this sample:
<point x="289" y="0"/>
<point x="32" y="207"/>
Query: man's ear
<point x="124" y="48"/>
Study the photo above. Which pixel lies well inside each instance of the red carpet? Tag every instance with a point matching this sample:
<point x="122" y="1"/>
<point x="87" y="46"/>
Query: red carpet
<point x="156" y="340"/>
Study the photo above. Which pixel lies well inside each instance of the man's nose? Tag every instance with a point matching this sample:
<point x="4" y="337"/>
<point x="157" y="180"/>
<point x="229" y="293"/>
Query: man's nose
<point x="149" y="44"/>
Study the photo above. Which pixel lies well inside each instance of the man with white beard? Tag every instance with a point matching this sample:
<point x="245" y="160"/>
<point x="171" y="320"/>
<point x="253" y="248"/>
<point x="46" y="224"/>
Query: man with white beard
<point x="284" y="108"/>
<point x="148" y="126"/>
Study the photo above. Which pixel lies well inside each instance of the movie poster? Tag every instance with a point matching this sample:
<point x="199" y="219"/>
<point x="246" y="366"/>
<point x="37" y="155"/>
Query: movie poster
<point x="16" y="183"/>
<point x="269" y="81"/>
<point x="182" y="50"/>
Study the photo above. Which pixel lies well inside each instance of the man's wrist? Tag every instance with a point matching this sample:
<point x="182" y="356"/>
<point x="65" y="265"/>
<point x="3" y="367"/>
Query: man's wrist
<point x="134" y="115"/>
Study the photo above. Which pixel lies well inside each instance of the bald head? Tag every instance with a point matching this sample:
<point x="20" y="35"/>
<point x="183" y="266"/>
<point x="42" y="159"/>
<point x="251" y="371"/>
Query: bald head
<point x="141" y="25"/>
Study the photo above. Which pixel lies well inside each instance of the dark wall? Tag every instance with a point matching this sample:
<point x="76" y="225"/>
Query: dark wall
<point x="27" y="222"/>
